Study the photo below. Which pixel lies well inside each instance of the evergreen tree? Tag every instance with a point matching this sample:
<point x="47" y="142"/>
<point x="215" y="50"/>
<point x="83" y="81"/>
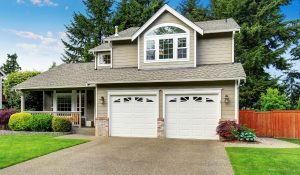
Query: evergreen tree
<point x="134" y="13"/>
<point x="292" y="86"/>
<point x="53" y="65"/>
<point x="87" y="30"/>
<point x="11" y="65"/>
<point x="194" y="11"/>
<point x="261" y="43"/>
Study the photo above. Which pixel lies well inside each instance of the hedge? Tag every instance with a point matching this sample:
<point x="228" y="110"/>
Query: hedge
<point x="19" y="121"/>
<point x="41" y="122"/>
<point x="61" y="124"/>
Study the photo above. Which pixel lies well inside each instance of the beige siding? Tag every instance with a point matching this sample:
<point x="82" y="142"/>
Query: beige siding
<point x="167" y="18"/>
<point x="227" y="89"/>
<point x="214" y="48"/>
<point x="124" y="54"/>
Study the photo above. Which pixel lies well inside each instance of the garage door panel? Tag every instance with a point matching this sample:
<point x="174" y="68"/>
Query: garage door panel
<point x="133" y="116"/>
<point x="191" y="116"/>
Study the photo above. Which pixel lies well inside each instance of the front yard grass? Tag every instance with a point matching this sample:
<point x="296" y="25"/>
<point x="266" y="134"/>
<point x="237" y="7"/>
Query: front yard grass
<point x="296" y="141"/>
<point x="262" y="161"/>
<point x="18" y="148"/>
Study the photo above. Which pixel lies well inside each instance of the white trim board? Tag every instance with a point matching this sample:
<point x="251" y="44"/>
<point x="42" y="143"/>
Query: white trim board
<point x="173" y="12"/>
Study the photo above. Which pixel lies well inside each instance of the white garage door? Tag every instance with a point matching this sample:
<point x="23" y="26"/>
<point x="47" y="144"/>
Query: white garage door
<point x="133" y="116"/>
<point x="192" y="116"/>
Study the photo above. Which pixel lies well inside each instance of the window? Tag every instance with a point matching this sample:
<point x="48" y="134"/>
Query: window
<point x="149" y="100"/>
<point x="168" y="42"/>
<point x="209" y="100"/>
<point x="139" y="99"/>
<point x="127" y="99"/>
<point x="166" y="49"/>
<point x="104" y="59"/>
<point x="117" y="100"/>
<point x="173" y="100"/>
<point x="197" y="99"/>
<point x="184" y="99"/>
<point x="181" y="48"/>
<point x="64" y="102"/>
<point x="150" y="50"/>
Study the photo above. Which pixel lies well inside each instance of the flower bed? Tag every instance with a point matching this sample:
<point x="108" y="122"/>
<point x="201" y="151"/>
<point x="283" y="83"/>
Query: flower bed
<point x="231" y="131"/>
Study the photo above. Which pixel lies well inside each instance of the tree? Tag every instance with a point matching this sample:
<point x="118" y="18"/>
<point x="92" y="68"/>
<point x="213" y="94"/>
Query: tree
<point x="134" y="13"/>
<point x="292" y="86"/>
<point x="11" y="64"/>
<point x="273" y="100"/>
<point x="261" y="43"/>
<point x="298" y="105"/>
<point x="194" y="11"/>
<point x="53" y="65"/>
<point x="87" y="31"/>
<point x="14" y="97"/>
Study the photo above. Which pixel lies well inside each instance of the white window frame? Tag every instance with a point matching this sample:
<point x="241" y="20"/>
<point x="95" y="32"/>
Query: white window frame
<point x="103" y="54"/>
<point x="167" y="36"/>
<point x="63" y="94"/>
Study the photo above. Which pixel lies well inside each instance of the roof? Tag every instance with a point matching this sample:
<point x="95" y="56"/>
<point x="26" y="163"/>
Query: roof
<point x="102" y="47"/>
<point x="212" y="26"/>
<point x="123" y="35"/>
<point x="221" y="25"/>
<point x="81" y="74"/>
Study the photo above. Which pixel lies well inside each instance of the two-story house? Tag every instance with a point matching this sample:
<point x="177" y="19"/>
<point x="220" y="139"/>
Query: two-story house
<point x="169" y="78"/>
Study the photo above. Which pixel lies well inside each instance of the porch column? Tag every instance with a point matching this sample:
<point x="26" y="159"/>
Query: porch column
<point x="22" y="102"/>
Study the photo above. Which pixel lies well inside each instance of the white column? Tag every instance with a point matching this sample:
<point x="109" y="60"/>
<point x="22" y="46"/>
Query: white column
<point x="74" y="100"/>
<point x="22" y="102"/>
<point x="54" y="108"/>
<point x="79" y="100"/>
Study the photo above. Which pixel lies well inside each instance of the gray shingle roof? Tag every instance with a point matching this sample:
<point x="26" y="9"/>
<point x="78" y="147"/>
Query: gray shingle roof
<point x="78" y="75"/>
<point x="102" y="47"/>
<point x="218" y="25"/>
<point x="212" y="26"/>
<point x="125" y="34"/>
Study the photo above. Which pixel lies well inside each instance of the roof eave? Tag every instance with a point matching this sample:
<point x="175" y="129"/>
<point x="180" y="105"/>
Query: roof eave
<point x="118" y="39"/>
<point x="223" y="30"/>
<point x="169" y="81"/>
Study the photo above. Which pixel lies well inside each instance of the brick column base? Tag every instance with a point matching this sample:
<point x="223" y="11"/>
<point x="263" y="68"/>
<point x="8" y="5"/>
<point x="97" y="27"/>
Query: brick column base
<point x="160" y="128"/>
<point x="101" y="126"/>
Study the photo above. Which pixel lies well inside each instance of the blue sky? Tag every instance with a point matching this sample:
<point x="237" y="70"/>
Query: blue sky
<point x="33" y="29"/>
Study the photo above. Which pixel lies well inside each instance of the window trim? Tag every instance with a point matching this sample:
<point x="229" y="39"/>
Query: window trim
<point x="63" y="94"/>
<point x="103" y="54"/>
<point x="167" y="36"/>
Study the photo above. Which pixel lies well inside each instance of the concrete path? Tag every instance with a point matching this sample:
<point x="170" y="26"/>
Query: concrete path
<point x="130" y="156"/>
<point x="264" y="143"/>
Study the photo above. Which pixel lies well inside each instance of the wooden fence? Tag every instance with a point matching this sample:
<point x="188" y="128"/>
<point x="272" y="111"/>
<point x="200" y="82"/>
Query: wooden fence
<point x="278" y="124"/>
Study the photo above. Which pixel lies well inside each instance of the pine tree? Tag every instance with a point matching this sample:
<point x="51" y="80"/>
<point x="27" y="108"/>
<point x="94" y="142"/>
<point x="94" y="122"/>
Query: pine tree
<point x="11" y="65"/>
<point x="261" y="43"/>
<point x="194" y="11"/>
<point x="87" y="30"/>
<point x="134" y="13"/>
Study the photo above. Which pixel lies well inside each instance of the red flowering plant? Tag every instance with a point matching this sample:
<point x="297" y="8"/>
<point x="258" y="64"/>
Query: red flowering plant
<point x="228" y="130"/>
<point x="4" y="117"/>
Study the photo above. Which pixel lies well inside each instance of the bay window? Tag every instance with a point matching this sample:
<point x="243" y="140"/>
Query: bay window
<point x="168" y="42"/>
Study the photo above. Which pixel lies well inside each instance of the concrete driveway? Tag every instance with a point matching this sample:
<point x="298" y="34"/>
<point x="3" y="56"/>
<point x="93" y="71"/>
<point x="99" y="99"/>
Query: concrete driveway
<point x="130" y="156"/>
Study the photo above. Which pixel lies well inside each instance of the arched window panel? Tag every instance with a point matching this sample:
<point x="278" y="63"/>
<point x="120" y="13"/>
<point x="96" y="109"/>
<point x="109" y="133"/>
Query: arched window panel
<point x="165" y="30"/>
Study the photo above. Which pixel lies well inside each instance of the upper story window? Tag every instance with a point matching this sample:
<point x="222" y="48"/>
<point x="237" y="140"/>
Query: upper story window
<point x="104" y="59"/>
<point x="167" y="42"/>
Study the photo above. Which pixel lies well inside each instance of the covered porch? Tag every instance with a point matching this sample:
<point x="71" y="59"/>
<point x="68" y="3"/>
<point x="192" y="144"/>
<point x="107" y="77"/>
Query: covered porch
<point x="78" y="105"/>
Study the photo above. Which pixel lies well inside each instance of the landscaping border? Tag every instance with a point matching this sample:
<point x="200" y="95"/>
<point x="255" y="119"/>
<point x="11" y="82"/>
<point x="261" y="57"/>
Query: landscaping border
<point x="9" y="132"/>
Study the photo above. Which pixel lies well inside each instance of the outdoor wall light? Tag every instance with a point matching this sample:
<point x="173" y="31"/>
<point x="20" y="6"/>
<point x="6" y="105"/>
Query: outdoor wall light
<point x="226" y="98"/>
<point x="102" y="101"/>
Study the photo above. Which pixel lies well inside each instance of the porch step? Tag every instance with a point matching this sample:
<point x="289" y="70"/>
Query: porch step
<point x="84" y="130"/>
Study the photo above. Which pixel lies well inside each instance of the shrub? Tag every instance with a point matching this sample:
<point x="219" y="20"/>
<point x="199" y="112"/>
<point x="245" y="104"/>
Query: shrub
<point x="19" y="121"/>
<point x="61" y="124"/>
<point x="41" y="122"/>
<point x="273" y="100"/>
<point x="247" y="136"/>
<point x="228" y="130"/>
<point x="5" y="115"/>
<point x="298" y="106"/>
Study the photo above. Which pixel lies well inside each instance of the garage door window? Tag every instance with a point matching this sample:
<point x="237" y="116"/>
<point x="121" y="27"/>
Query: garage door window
<point x="197" y="99"/>
<point x="184" y="99"/>
<point x="209" y="100"/>
<point x="139" y="99"/>
<point x="173" y="100"/>
<point x="149" y="100"/>
<point x="127" y="99"/>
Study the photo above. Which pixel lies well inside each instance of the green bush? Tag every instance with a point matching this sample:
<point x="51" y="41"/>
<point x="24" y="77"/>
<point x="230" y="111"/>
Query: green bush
<point x="247" y="136"/>
<point x="298" y="106"/>
<point x="61" y="124"/>
<point x="41" y="122"/>
<point x="273" y="100"/>
<point x="19" y="121"/>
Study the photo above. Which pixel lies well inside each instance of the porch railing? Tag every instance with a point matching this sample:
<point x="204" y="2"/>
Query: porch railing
<point x="74" y="116"/>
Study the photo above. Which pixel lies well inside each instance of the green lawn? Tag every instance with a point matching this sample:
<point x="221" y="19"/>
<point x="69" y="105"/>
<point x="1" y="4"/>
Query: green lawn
<point x="265" y="160"/>
<point x="18" y="148"/>
<point x="296" y="141"/>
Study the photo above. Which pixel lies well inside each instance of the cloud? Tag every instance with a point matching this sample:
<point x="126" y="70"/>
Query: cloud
<point x="43" y="3"/>
<point x="45" y="40"/>
<point x="26" y="46"/>
<point x="20" y="1"/>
